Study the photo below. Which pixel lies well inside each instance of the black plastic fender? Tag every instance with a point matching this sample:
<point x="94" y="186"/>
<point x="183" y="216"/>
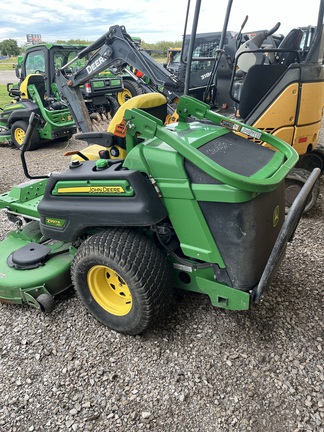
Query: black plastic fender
<point x="23" y="113"/>
<point x="81" y="213"/>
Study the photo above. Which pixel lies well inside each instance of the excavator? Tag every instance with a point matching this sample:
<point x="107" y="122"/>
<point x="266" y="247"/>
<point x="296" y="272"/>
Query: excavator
<point x="115" y="50"/>
<point x="279" y="90"/>
<point x="270" y="82"/>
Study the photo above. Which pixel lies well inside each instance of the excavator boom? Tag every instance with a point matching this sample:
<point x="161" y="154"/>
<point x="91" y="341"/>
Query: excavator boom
<point x="115" y="49"/>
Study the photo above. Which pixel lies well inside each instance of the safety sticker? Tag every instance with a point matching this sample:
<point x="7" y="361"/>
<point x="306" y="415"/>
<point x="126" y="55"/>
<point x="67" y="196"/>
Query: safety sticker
<point x="251" y="133"/>
<point x="228" y="124"/>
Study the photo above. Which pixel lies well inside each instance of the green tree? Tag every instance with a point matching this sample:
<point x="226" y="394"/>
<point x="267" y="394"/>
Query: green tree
<point x="162" y="46"/>
<point x="9" y="47"/>
<point x="75" y="42"/>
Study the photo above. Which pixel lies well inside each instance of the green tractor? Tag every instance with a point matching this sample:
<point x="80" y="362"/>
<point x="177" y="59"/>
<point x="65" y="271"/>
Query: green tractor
<point x="194" y="205"/>
<point x="37" y="92"/>
<point x="56" y="120"/>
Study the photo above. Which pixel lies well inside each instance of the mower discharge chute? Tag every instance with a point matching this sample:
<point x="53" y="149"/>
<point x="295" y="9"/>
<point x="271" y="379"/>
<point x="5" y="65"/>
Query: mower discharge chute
<point x="194" y="205"/>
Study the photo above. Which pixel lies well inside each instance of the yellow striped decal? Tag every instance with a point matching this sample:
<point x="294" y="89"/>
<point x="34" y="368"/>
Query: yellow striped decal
<point x="91" y="189"/>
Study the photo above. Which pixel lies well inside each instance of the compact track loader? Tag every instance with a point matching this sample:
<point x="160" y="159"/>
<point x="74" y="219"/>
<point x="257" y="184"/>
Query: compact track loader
<point x="194" y="205"/>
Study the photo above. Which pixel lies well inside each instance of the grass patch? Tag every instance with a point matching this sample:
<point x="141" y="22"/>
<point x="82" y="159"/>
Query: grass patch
<point x="4" y="98"/>
<point x="8" y="64"/>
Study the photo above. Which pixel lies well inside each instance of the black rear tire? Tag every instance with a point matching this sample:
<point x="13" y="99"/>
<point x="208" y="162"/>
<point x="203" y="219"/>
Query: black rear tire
<point x="18" y="132"/>
<point x="123" y="279"/>
<point x="294" y="181"/>
<point x="113" y="105"/>
<point x="131" y="89"/>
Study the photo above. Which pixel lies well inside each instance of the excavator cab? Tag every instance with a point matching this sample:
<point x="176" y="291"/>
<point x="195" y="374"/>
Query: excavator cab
<point x="280" y="90"/>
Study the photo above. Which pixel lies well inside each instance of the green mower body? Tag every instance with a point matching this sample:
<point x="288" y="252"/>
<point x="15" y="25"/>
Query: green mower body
<point x="56" y="120"/>
<point x="195" y="205"/>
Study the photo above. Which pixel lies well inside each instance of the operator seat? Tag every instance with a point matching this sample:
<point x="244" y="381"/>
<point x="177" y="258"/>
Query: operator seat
<point x="258" y="81"/>
<point x="152" y="103"/>
<point x="260" y="78"/>
<point x="38" y="81"/>
<point x="292" y="42"/>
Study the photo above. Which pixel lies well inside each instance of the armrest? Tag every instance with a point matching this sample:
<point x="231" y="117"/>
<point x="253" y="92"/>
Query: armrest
<point x="102" y="138"/>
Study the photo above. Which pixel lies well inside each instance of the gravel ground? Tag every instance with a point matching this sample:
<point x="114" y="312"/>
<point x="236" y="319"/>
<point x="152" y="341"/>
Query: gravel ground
<point x="201" y="369"/>
<point x="7" y="76"/>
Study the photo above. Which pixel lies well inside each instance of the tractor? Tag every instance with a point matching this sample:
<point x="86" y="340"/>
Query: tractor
<point x="37" y="92"/>
<point x="194" y="205"/>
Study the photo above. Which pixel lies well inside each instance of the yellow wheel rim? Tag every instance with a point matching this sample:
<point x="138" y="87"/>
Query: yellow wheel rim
<point x="109" y="290"/>
<point x="19" y="135"/>
<point x="123" y="96"/>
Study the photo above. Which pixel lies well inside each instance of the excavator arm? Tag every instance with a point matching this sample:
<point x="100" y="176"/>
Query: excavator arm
<point x="115" y="49"/>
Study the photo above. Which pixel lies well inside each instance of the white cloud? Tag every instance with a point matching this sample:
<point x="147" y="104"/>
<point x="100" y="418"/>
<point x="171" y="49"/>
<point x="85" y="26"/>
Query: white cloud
<point x="152" y="20"/>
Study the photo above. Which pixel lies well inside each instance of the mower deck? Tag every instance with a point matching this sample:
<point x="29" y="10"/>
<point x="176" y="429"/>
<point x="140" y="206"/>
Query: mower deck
<point x="26" y="273"/>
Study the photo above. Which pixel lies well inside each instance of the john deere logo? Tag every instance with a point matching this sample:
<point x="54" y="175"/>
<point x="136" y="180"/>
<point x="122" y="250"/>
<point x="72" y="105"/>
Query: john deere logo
<point x="276" y="216"/>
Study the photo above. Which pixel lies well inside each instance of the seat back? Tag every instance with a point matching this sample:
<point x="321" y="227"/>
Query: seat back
<point x="258" y="81"/>
<point x="38" y="81"/>
<point x="153" y="103"/>
<point x="292" y="42"/>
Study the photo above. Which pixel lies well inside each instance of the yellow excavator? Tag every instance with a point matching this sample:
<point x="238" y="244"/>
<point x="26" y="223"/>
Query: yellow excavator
<point x="279" y="90"/>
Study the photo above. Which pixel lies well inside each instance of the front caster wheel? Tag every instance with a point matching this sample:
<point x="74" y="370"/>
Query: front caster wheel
<point x="123" y="279"/>
<point x="46" y="302"/>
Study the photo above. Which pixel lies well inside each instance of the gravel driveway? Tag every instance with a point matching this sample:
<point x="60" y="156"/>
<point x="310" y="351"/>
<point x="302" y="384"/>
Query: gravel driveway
<point x="7" y="76"/>
<point x="202" y="369"/>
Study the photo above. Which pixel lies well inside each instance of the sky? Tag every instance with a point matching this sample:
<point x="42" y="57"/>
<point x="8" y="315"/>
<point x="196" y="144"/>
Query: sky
<point x="153" y="21"/>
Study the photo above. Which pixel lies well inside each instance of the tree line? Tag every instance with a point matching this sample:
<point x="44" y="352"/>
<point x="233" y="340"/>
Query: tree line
<point x="9" y="47"/>
<point x="161" y="46"/>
